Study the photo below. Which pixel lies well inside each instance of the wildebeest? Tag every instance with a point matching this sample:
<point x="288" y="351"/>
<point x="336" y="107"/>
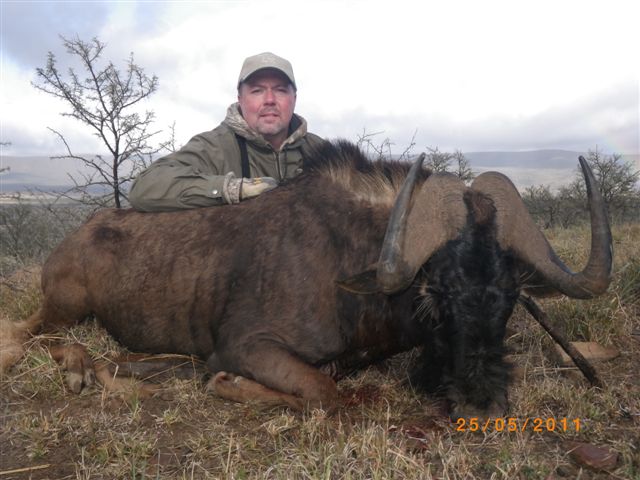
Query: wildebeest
<point x="350" y="262"/>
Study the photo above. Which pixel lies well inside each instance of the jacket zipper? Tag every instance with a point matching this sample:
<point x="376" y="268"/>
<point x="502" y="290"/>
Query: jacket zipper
<point x="277" y="154"/>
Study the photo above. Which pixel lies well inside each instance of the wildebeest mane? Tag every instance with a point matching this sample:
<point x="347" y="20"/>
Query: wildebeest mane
<point x="375" y="181"/>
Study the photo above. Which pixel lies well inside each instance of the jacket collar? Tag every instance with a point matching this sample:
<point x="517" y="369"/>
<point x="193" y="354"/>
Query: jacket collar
<point x="235" y="121"/>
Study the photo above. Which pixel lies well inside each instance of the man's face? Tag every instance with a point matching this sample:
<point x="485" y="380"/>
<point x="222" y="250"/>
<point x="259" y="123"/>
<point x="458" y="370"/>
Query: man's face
<point x="267" y="100"/>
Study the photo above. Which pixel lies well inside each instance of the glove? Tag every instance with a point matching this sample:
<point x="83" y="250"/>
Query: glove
<point x="237" y="189"/>
<point x="252" y="187"/>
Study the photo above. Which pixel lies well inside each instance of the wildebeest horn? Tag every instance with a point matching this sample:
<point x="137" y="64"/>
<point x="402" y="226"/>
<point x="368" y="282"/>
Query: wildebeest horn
<point x="419" y="224"/>
<point x="517" y="231"/>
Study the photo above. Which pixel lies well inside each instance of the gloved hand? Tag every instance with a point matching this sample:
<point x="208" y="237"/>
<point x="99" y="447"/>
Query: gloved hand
<point x="252" y="187"/>
<point x="237" y="189"/>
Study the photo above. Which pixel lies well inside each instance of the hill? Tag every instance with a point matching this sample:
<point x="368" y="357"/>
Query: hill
<point x="549" y="167"/>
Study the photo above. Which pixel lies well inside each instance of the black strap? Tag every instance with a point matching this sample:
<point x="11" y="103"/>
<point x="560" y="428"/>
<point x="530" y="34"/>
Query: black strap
<point x="244" y="156"/>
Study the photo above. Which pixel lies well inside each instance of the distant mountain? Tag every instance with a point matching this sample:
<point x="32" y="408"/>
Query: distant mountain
<point x="548" y="167"/>
<point x="546" y="159"/>
<point x="34" y="172"/>
<point x="538" y="167"/>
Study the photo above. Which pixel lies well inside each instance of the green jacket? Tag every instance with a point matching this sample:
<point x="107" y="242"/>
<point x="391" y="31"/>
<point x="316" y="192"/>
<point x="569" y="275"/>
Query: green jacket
<point x="195" y="175"/>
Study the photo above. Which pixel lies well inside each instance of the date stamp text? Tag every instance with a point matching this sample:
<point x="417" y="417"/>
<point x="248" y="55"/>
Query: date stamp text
<point x="515" y="424"/>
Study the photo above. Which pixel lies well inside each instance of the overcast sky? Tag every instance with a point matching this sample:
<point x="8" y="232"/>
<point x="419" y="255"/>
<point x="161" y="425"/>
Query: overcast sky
<point x="470" y="75"/>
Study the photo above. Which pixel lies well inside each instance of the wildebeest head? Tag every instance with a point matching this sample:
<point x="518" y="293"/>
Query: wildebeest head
<point x="467" y="292"/>
<point x="471" y="250"/>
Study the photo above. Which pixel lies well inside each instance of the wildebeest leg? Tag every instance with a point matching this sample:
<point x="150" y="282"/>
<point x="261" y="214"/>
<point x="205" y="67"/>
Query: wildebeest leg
<point x="62" y="308"/>
<point x="240" y="389"/>
<point x="346" y="365"/>
<point x="279" y="370"/>
<point x="13" y="335"/>
<point x="81" y="372"/>
<point x="128" y="386"/>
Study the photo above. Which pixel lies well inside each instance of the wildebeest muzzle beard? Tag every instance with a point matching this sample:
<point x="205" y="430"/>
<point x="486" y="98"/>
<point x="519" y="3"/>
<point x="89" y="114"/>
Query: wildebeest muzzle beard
<point x="468" y="293"/>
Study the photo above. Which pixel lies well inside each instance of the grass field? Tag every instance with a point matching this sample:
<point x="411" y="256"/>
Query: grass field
<point x="385" y="429"/>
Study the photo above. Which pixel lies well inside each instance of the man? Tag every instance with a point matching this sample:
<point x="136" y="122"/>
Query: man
<point x="259" y="144"/>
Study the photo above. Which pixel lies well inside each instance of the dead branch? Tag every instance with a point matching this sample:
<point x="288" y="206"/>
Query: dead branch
<point x="582" y="363"/>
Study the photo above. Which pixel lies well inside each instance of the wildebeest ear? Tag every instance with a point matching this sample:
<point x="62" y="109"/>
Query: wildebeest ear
<point x="364" y="283"/>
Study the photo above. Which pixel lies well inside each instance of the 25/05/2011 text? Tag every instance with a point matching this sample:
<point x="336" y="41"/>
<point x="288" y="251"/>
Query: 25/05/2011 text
<point x="515" y="424"/>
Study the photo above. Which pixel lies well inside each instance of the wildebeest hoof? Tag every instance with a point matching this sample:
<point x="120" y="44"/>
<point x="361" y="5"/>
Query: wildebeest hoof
<point x="77" y="381"/>
<point x="77" y="363"/>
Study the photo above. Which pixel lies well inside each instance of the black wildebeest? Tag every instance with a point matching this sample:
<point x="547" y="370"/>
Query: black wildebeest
<point x="350" y="262"/>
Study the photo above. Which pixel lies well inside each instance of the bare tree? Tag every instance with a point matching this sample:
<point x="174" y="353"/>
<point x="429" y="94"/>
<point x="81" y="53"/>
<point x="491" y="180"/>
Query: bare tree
<point x="617" y="181"/>
<point x="539" y="200"/>
<point x="383" y="150"/>
<point x="375" y="150"/>
<point x="108" y="101"/>
<point x="438" y="161"/>
<point x="462" y="167"/>
<point x="562" y="208"/>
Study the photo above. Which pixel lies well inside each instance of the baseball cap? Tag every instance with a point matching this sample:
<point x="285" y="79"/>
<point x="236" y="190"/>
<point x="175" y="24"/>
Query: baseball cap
<point x="266" y="60"/>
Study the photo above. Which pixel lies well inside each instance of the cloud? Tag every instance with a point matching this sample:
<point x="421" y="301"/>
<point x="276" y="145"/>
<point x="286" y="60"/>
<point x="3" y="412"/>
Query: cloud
<point x="467" y="75"/>
<point x="609" y="119"/>
<point x="30" y="29"/>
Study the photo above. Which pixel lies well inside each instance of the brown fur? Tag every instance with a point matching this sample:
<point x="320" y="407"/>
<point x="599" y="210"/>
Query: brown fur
<point x="254" y="292"/>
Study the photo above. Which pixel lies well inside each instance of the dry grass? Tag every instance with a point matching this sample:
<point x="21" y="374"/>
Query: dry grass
<point x="384" y="431"/>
